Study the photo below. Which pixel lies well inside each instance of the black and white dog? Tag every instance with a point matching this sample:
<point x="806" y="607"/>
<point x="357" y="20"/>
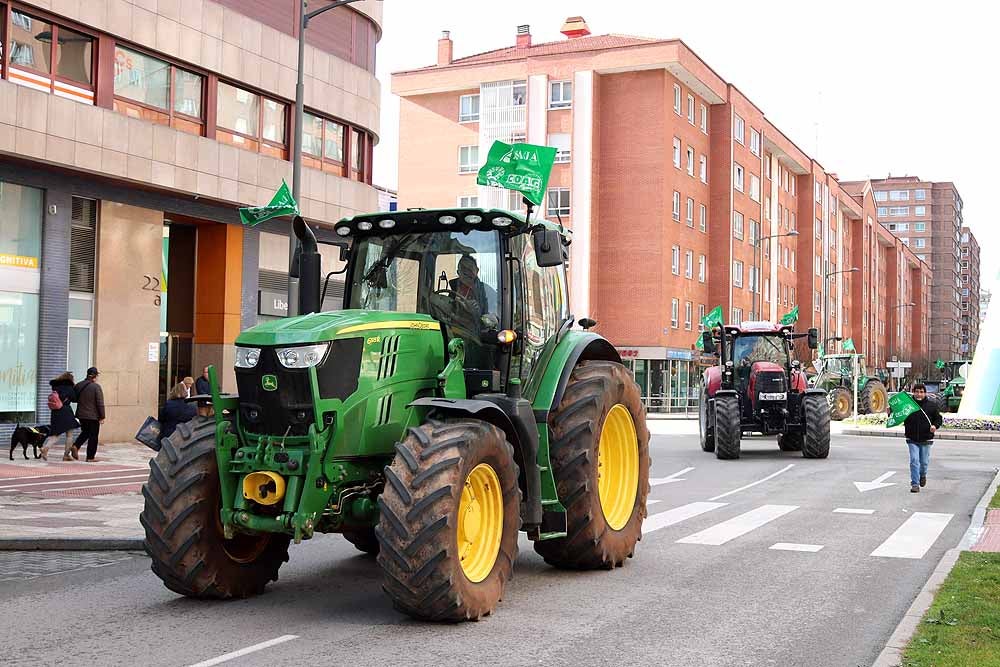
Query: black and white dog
<point x="28" y="435"/>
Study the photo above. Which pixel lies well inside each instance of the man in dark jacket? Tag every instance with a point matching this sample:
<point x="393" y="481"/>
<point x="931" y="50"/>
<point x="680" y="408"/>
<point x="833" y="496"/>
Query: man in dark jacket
<point x="919" y="429"/>
<point x="90" y="412"/>
<point x="175" y="411"/>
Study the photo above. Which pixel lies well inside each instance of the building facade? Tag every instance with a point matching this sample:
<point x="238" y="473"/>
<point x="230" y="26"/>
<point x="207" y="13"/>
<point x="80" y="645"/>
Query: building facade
<point x="681" y="194"/>
<point x="130" y="133"/>
<point x="970" y="292"/>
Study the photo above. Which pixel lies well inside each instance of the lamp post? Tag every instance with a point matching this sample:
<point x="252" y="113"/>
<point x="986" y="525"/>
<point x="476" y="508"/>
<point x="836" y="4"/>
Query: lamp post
<point x="826" y="296"/>
<point x="758" y="301"/>
<point x="892" y="336"/>
<point x="304" y="18"/>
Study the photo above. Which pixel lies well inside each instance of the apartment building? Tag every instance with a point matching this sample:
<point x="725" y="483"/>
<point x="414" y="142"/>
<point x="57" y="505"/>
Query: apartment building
<point x="970" y="291"/>
<point x="130" y="133"/>
<point x="680" y="192"/>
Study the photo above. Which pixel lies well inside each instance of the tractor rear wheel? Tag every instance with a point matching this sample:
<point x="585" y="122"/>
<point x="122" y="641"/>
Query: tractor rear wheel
<point x="873" y="398"/>
<point x="450" y="513"/>
<point x="363" y="539"/>
<point x="839" y="399"/>
<point x="706" y="423"/>
<point x="816" y="416"/>
<point x="727" y="427"/>
<point x="184" y="535"/>
<point x="600" y="458"/>
<point x="790" y="442"/>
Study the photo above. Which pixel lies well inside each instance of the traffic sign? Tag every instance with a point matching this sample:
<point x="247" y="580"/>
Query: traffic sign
<point x="899" y="364"/>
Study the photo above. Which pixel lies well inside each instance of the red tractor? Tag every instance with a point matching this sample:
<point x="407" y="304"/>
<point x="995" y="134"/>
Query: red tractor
<point x="758" y="387"/>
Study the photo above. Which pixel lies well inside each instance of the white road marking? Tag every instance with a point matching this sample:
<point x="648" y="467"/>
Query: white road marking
<point x="676" y="477"/>
<point x="676" y="515"/>
<point x="915" y="536"/>
<point x="138" y="476"/>
<point x="877" y="483"/>
<point x="91" y="486"/>
<point x="791" y="546"/>
<point x="244" y="651"/>
<point x="68" y="474"/>
<point x="760" y="481"/>
<point x="851" y="510"/>
<point x="737" y="526"/>
<point x="652" y="502"/>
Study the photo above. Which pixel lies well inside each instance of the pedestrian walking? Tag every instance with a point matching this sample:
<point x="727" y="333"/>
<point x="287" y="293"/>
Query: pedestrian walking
<point x="176" y="410"/>
<point x="90" y="412"/>
<point x="919" y="429"/>
<point x="62" y="420"/>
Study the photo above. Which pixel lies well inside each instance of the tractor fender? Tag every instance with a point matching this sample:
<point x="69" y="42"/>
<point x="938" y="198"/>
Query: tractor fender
<point x="712" y="380"/>
<point x="575" y="347"/>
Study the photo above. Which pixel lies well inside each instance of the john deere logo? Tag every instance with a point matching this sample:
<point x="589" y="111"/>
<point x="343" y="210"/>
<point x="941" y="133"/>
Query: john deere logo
<point x="269" y="383"/>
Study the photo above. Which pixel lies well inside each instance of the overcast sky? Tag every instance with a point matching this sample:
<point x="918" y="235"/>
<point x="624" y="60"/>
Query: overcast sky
<point x="867" y="88"/>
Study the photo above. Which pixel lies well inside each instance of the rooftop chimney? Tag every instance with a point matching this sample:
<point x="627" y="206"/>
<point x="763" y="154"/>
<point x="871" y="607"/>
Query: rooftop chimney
<point x="575" y="26"/>
<point x="445" y="48"/>
<point x="523" y="36"/>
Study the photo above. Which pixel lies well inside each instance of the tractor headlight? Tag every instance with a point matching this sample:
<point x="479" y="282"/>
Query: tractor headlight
<point x="302" y="356"/>
<point x="247" y="357"/>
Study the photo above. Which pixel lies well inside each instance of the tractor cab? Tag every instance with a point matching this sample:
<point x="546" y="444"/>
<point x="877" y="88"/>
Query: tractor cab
<point x="761" y="356"/>
<point x="956" y="371"/>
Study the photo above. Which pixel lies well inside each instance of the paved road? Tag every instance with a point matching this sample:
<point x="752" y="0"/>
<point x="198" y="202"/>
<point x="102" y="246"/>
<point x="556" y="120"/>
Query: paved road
<point x="706" y="586"/>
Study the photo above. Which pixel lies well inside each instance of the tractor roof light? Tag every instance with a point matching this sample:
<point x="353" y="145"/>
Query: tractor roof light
<point x="473" y="219"/>
<point x="343" y="231"/>
<point x="507" y="336"/>
<point x="364" y="225"/>
<point x="502" y="221"/>
<point x="447" y="220"/>
<point x="388" y="223"/>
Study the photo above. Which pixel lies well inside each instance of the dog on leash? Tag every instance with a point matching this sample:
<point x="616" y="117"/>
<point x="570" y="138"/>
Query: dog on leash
<point x="28" y="435"/>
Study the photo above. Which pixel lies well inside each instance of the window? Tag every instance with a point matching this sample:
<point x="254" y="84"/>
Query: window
<point x="677" y="206"/>
<point x="322" y="144"/>
<point x="739" y="129"/>
<point x="792" y="265"/>
<point x="737" y="315"/>
<point x="677" y="99"/>
<point x="688" y="264"/>
<point x="558" y="201"/>
<point x="785" y="253"/>
<point x="702" y="218"/>
<point x="250" y="121"/>
<point x="701" y="316"/>
<point x="677" y="152"/>
<point x="881" y="195"/>
<point x="754" y="232"/>
<point x="690" y="161"/>
<point x="816" y="301"/>
<point x="562" y="143"/>
<point x="691" y="111"/>
<point x="518" y="93"/>
<point x="703" y="168"/>
<point x="905" y="240"/>
<point x="359" y="156"/>
<point x="754" y="188"/>
<point x="819" y="265"/>
<point x="738" y="177"/>
<point x="704" y="119"/>
<point x="468" y="108"/>
<point x="899" y="211"/>
<point x="920" y="243"/>
<point x="468" y="159"/>
<point x="687" y="315"/>
<point x="920" y="210"/>
<point x="701" y="268"/>
<point x="883" y="211"/>
<point x="920" y="195"/>
<point x="560" y="94"/>
<point x="767" y="290"/>
<point x="35" y="44"/>
<point x="674" y="308"/>
<point x="819" y="192"/>
<point x="689" y="212"/>
<point x="899" y="195"/>
<point x="675" y="260"/>
<point x="738" y="225"/>
<point x="755" y="142"/>
<point x="737" y="273"/>
<point x="767" y="165"/>
<point x="143" y="87"/>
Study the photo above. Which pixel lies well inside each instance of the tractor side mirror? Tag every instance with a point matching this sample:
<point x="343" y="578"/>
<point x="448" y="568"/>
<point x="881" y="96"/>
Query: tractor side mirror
<point x="345" y="253"/>
<point x="548" y="247"/>
<point x="707" y="342"/>
<point x="813" y="338"/>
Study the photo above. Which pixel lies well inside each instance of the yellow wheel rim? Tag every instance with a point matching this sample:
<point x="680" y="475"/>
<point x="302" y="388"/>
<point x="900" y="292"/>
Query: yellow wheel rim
<point x="842" y="404"/>
<point x="480" y="522"/>
<point x="877" y="403"/>
<point x="618" y="467"/>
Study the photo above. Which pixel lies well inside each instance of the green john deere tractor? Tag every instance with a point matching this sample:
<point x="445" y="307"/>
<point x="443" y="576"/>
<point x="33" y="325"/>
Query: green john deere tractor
<point x="449" y="405"/>
<point x="836" y="375"/>
<point x="950" y="396"/>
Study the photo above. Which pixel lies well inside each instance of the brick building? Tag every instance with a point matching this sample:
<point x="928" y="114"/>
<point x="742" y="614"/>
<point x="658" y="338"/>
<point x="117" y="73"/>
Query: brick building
<point x="970" y="291"/>
<point x="681" y="194"/>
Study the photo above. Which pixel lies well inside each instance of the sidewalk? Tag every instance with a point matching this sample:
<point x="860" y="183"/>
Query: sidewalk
<point x="74" y="505"/>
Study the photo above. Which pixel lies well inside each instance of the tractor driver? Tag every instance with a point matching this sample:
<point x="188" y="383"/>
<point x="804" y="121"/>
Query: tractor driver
<point x="480" y="300"/>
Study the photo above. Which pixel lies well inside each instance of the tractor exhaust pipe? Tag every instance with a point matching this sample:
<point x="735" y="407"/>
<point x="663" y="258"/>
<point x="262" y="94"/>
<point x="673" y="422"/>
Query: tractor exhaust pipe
<point x="308" y="267"/>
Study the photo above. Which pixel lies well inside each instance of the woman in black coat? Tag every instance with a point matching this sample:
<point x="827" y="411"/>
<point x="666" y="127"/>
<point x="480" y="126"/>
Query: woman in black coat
<point x="176" y="410"/>
<point x="63" y="421"/>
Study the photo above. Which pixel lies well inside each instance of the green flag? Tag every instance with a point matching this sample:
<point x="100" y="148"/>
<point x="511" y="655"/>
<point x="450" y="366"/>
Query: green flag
<point x="521" y="167"/>
<point x="699" y="344"/>
<point x="281" y="204"/>
<point x="713" y="319"/>
<point x="849" y="345"/>
<point x="791" y="317"/>
<point x="901" y="406"/>
<point x="939" y="364"/>
<point x="820" y="351"/>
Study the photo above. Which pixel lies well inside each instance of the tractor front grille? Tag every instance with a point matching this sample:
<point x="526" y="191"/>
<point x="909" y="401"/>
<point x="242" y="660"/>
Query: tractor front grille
<point x="769" y="382"/>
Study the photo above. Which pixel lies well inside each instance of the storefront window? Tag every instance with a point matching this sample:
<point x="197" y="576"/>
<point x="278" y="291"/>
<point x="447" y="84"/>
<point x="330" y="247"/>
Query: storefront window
<point x="20" y="262"/>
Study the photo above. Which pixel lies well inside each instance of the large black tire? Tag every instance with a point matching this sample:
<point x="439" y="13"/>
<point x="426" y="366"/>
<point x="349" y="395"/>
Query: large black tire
<point x="727" y="427"/>
<point x="184" y="531"/>
<point x="363" y="539"/>
<point x="840" y="402"/>
<point x="595" y="387"/>
<point x="790" y="442"/>
<point x="418" y="530"/>
<point x="873" y="398"/>
<point x="816" y="439"/>
<point x="706" y="423"/>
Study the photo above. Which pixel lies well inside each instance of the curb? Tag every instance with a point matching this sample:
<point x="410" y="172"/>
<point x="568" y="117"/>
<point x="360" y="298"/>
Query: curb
<point x="892" y="654"/>
<point x="71" y="544"/>
<point x="980" y="436"/>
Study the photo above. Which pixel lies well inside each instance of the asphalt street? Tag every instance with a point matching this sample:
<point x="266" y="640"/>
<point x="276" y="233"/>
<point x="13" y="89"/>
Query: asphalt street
<point x="768" y="560"/>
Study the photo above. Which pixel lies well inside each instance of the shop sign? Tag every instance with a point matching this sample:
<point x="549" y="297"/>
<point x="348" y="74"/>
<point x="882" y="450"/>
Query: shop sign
<point x="274" y="304"/>
<point x="18" y="261"/>
<point x="642" y="352"/>
<point x="679" y="354"/>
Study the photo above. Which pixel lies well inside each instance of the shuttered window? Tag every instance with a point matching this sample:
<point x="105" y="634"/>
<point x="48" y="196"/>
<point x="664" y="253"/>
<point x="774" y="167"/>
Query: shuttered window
<point x="83" y="245"/>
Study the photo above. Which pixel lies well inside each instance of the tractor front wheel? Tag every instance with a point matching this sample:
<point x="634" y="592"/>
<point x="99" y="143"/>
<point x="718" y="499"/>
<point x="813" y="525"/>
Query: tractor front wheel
<point x="184" y="535"/>
<point x="363" y="539"/>
<point x="706" y="423"/>
<point x="839" y="400"/>
<point x="790" y="442"/>
<point x="449" y="520"/>
<point x="727" y="427"/>
<point x="873" y="398"/>
<point x="600" y="459"/>
<point x="816" y="416"/>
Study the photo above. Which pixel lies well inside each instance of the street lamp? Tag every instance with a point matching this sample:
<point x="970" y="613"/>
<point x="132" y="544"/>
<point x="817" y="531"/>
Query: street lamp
<point x="826" y="295"/>
<point x="304" y="18"/>
<point x="757" y="301"/>
<point x="892" y="335"/>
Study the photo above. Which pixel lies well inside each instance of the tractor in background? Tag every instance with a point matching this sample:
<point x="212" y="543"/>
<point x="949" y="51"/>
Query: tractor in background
<point x="758" y="387"/>
<point x="949" y="395"/>
<point x="836" y="377"/>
